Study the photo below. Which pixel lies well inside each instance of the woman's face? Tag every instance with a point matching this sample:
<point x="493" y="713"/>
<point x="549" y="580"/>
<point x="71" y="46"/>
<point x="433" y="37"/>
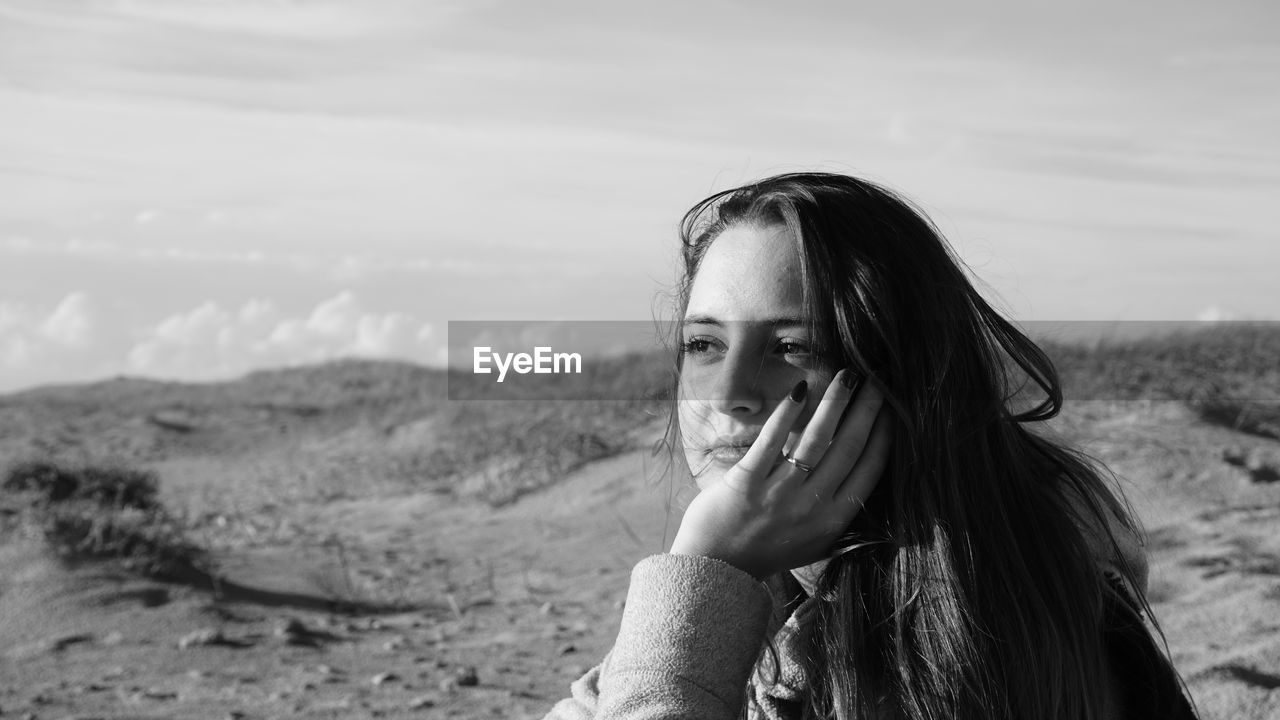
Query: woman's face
<point x="746" y="346"/>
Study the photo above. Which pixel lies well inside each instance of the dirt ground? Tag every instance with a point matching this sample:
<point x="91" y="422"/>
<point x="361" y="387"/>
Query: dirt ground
<point x="498" y="610"/>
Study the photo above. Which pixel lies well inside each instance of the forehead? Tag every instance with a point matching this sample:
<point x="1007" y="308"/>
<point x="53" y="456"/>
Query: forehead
<point x="750" y="272"/>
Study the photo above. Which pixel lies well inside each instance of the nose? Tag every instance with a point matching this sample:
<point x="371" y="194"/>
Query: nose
<point x="737" y="387"/>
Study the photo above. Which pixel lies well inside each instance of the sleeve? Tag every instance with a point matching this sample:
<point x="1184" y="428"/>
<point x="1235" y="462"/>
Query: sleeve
<point x="691" y="632"/>
<point x="584" y="697"/>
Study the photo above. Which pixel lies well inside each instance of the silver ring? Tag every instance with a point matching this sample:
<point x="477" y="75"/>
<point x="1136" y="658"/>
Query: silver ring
<point x="802" y="467"/>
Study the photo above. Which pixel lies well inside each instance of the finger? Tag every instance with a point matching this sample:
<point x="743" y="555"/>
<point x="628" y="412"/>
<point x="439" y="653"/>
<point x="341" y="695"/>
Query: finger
<point x="850" y="439"/>
<point x="826" y="418"/>
<point x="866" y="473"/>
<point x="764" y="451"/>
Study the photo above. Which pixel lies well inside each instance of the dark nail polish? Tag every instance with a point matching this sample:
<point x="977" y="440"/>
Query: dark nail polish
<point x="799" y="391"/>
<point x="849" y="379"/>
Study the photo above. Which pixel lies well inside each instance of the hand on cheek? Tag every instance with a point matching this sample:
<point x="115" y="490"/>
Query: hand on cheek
<point x="768" y="514"/>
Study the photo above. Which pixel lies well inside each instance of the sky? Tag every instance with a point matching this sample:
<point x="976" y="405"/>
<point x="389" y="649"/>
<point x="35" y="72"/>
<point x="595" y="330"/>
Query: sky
<point x="193" y="189"/>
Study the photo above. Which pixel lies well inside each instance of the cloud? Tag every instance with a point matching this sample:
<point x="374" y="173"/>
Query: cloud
<point x="212" y="341"/>
<point x="342" y="267"/>
<point x="318" y="20"/>
<point x="39" y="343"/>
<point x="28" y="334"/>
<point x="1217" y="313"/>
<point x="69" y="324"/>
<point x="80" y="339"/>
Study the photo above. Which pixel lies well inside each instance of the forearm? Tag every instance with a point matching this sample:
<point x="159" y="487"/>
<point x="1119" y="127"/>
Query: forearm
<point x="690" y="635"/>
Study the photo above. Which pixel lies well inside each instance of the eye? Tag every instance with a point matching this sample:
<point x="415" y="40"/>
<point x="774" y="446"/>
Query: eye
<point x="794" y="347"/>
<point x="699" y="345"/>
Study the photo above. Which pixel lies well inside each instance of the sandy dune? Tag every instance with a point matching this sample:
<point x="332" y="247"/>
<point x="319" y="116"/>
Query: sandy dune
<point x="499" y="610"/>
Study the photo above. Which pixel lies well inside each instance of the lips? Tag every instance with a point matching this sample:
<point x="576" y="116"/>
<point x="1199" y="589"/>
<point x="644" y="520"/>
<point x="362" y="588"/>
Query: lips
<point x="729" y="454"/>
<point x="729" y="449"/>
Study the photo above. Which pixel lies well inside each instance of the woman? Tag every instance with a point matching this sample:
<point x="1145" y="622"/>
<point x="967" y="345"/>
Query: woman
<point x="878" y="533"/>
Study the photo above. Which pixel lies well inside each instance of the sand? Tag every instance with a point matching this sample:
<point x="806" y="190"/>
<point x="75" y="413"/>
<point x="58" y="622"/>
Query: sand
<point x="498" y="610"/>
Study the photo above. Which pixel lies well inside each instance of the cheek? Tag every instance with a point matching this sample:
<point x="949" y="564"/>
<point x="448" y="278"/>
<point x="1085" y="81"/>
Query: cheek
<point x="697" y="383"/>
<point x="695" y="431"/>
<point x="692" y="416"/>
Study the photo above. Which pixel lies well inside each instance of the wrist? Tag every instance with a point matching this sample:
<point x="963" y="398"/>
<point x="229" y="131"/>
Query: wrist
<point x="688" y="548"/>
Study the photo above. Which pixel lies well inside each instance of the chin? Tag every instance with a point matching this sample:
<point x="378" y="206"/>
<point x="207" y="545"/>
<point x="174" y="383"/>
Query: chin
<point x="707" y="478"/>
<point x="705" y="474"/>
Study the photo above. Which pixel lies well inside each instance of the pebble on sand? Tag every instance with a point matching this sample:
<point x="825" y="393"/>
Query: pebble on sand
<point x="202" y="637"/>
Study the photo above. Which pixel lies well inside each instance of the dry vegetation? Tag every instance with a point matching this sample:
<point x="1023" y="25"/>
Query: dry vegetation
<point x="1228" y="373"/>
<point x="103" y="513"/>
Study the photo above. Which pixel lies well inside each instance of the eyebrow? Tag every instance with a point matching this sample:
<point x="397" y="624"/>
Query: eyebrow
<point x="710" y="320"/>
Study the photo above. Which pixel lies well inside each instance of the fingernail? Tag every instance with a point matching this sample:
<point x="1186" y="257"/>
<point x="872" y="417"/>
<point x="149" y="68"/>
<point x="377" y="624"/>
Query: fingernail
<point x="798" y="392"/>
<point x="849" y="379"/>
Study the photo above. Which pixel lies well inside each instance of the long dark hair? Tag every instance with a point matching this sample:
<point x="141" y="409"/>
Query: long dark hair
<point x="967" y="588"/>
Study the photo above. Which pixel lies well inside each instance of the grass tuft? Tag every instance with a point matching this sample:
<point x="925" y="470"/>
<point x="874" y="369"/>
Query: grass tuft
<point x="108" y="512"/>
<point x="110" y="485"/>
